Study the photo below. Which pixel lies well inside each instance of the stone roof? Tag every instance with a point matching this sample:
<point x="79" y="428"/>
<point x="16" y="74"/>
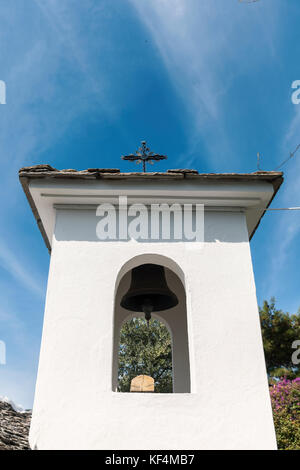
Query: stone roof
<point x="14" y="428"/>
<point x="47" y="171"/>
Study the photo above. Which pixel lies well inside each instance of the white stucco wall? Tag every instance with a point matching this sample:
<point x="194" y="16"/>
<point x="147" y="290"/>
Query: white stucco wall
<point x="229" y="405"/>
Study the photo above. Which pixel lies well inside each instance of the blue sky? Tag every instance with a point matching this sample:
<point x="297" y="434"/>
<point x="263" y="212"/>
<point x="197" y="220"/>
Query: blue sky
<point x="207" y="82"/>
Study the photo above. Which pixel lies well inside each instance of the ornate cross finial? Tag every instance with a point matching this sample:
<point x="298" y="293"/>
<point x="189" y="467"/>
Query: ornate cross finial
<point x="143" y="155"/>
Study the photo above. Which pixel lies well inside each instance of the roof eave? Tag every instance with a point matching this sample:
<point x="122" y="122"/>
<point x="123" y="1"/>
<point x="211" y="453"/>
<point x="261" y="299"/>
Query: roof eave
<point x="46" y="171"/>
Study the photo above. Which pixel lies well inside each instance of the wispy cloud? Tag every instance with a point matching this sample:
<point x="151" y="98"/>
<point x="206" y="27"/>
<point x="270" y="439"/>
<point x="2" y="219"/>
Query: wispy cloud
<point x="39" y="107"/>
<point x="60" y="16"/>
<point x="205" y="46"/>
<point x="283" y="238"/>
<point x="12" y="265"/>
<point x="291" y="196"/>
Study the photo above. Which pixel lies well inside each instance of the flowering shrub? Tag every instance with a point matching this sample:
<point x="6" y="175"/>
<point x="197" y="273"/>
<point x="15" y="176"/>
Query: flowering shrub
<point x="285" y="399"/>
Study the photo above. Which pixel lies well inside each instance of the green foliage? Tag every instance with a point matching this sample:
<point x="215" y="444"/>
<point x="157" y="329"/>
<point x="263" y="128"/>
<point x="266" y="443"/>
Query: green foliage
<point x="285" y="398"/>
<point x="145" y="351"/>
<point x="279" y="331"/>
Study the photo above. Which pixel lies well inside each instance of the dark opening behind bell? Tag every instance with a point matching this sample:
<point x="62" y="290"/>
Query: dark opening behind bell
<point x="148" y="291"/>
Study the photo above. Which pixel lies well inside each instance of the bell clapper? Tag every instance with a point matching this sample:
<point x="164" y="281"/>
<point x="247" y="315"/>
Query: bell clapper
<point x="147" y="309"/>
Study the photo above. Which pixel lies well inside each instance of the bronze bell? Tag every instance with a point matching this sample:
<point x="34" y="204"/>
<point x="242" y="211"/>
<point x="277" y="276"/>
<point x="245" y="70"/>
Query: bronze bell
<point x="148" y="291"/>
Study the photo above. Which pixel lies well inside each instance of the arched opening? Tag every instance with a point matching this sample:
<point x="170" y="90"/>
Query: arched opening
<point x="174" y="318"/>
<point x="145" y="350"/>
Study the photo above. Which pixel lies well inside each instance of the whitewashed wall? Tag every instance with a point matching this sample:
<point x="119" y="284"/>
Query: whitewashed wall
<point x="229" y="405"/>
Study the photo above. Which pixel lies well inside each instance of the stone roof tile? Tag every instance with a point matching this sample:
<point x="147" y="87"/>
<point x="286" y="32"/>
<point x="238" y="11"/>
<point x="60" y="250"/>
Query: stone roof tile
<point x="14" y="428"/>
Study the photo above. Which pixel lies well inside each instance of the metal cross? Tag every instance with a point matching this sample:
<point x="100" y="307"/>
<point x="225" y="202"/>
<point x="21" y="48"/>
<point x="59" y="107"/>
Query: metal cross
<point x="143" y="155"/>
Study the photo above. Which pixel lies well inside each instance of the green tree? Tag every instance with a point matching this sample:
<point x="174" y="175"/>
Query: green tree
<point x="145" y="351"/>
<point x="279" y="331"/>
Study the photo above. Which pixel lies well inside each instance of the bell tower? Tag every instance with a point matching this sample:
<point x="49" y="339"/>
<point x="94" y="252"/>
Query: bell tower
<point x="121" y="245"/>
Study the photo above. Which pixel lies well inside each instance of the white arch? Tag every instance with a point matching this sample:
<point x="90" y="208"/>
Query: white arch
<point x="175" y="319"/>
<point x="153" y="258"/>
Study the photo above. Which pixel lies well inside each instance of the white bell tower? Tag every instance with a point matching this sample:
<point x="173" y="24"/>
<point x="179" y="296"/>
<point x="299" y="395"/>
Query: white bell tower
<point x="220" y="396"/>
